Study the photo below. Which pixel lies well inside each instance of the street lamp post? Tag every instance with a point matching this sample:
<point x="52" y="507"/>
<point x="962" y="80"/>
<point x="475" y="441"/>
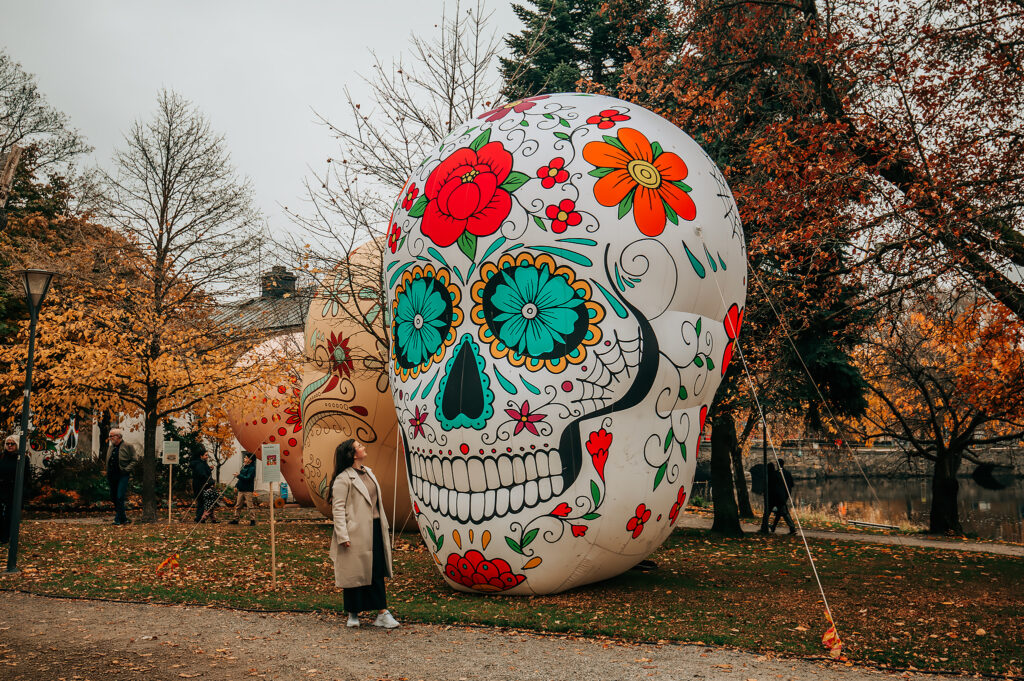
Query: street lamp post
<point x="37" y="283"/>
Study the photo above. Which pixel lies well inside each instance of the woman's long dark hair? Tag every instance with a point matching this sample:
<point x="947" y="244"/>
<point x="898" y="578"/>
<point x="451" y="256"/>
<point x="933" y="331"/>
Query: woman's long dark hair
<point x="344" y="457"/>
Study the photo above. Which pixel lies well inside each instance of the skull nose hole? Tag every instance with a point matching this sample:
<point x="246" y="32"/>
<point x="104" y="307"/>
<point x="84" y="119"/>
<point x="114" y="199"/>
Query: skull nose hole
<point x="464" y="390"/>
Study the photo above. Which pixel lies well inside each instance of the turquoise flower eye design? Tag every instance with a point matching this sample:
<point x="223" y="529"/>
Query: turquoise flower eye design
<point x="535" y="313"/>
<point x="424" y="315"/>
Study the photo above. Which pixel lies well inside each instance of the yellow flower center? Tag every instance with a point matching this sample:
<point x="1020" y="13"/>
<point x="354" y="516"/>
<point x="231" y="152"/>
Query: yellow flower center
<point x="470" y="176"/>
<point x="552" y="172"/>
<point x="645" y="174"/>
<point x="562" y="215"/>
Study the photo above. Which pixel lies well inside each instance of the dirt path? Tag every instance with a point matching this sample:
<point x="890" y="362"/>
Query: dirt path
<point x="47" y="639"/>
<point x="702" y="522"/>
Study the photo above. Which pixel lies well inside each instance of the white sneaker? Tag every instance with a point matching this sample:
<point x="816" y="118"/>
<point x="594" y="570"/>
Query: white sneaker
<point x="386" y="620"/>
<point x="353" y="620"/>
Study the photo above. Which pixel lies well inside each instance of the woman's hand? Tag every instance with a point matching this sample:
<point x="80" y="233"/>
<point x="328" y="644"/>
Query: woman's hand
<point x="346" y="544"/>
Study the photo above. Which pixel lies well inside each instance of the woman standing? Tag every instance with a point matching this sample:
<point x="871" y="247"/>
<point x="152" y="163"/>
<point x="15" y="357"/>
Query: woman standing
<point x="359" y="545"/>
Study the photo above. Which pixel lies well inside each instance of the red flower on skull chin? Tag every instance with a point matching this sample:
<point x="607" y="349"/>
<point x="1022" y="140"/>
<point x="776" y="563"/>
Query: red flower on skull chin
<point x="733" y="322"/>
<point x="465" y="194"/>
<point x="477" y="573"/>
<point x="597" y="445"/>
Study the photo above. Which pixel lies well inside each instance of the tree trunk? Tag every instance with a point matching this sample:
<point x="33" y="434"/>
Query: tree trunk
<point x="723" y="440"/>
<point x="739" y="478"/>
<point x="149" y="503"/>
<point x="83" y="449"/>
<point x="945" y="513"/>
<point x="104" y="433"/>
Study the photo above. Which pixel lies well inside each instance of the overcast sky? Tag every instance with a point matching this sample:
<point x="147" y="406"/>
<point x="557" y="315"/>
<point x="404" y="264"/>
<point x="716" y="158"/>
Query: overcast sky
<point x="258" y="69"/>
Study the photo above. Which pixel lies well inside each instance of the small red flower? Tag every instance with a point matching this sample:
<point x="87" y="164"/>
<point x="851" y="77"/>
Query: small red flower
<point x="410" y="196"/>
<point x="673" y="514"/>
<point x="607" y="119"/>
<point x="553" y="172"/>
<point x="733" y="322"/>
<point x="563" y="215"/>
<point x="562" y="510"/>
<point x="417" y="422"/>
<point x="477" y="573"/>
<point x="636" y="523"/>
<point x="294" y="418"/>
<point x="579" y="530"/>
<point x="340" y="359"/>
<point x="524" y="419"/>
<point x="393" y="236"/>
<point x="519" y="106"/>
<point x="597" y="446"/>
<point x="416" y="507"/>
<point x="703" y="418"/>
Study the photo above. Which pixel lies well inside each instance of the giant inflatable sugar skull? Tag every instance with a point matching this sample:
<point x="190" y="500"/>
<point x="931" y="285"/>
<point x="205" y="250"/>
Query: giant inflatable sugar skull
<point x="566" y="277"/>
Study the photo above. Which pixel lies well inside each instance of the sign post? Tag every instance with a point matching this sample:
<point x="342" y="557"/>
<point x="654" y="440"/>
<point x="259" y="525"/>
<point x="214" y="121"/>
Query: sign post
<point x="170" y="452"/>
<point x="271" y="475"/>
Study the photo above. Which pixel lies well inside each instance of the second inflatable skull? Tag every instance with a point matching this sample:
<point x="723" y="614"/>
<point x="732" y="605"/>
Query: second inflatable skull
<point x="566" y="278"/>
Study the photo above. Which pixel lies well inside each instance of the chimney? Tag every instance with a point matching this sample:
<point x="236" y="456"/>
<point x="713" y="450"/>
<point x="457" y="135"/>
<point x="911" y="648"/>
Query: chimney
<point x="277" y="282"/>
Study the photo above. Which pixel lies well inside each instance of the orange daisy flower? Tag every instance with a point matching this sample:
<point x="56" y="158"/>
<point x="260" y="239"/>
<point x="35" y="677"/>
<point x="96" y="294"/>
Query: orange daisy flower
<point x="641" y="177"/>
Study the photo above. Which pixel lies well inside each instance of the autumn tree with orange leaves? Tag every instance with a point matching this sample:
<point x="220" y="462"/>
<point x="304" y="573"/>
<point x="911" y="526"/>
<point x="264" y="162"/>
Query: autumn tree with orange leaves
<point x="946" y="379"/>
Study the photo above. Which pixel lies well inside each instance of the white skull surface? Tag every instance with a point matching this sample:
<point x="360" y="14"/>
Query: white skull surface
<point x="566" y="278"/>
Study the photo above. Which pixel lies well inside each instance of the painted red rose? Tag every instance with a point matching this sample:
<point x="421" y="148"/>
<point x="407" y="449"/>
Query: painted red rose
<point x="465" y="194"/>
<point x="477" y="573"/>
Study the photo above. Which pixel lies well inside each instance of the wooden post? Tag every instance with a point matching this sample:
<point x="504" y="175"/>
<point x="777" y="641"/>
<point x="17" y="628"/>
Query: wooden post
<point x="273" y="546"/>
<point x="170" y="478"/>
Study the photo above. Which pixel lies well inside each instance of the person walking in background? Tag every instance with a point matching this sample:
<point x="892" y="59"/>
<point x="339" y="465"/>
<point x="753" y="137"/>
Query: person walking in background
<point x="121" y="461"/>
<point x="359" y="542"/>
<point x="245" y="486"/>
<point x="780" y="486"/>
<point x="8" y="474"/>
<point x="204" y="488"/>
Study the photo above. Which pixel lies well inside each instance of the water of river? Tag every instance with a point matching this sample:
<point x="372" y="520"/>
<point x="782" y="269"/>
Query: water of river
<point x="987" y="513"/>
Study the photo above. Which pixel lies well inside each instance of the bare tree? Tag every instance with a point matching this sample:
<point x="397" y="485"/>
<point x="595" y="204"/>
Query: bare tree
<point x="191" y="235"/>
<point x="26" y="119"/>
<point x="413" y="108"/>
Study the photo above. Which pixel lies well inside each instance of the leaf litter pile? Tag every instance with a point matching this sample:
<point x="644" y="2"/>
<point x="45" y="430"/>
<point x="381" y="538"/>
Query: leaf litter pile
<point x="895" y="606"/>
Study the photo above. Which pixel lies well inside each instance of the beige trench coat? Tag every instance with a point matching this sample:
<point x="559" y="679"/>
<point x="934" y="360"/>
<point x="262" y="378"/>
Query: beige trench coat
<point x="353" y="521"/>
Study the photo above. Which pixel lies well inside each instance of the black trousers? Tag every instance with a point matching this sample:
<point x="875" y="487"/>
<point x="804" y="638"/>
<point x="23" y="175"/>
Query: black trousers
<point x="372" y="596"/>
<point x="782" y="511"/>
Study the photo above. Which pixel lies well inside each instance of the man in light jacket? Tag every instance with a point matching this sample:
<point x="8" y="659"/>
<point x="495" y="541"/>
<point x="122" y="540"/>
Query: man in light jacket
<point x="120" y="462"/>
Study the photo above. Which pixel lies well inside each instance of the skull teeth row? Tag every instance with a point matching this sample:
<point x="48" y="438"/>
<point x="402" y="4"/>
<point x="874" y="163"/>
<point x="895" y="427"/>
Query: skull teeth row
<point x="480" y="474"/>
<point x="484" y="505"/>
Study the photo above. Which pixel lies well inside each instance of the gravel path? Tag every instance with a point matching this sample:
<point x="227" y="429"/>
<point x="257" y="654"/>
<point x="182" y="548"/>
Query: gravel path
<point x="49" y="639"/>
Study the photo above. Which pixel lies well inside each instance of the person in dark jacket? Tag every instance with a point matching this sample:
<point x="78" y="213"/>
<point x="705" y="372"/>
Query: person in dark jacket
<point x="204" y="488"/>
<point x="780" y="485"/>
<point x="245" y="486"/>
<point x="120" y="463"/>
<point x="8" y="474"/>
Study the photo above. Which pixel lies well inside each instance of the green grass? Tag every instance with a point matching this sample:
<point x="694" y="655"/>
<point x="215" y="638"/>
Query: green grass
<point x="896" y="606"/>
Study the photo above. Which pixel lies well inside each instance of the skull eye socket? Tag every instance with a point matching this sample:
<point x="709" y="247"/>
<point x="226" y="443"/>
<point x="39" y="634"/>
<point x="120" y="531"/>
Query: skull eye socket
<point x="535" y="313"/>
<point x="424" y="314"/>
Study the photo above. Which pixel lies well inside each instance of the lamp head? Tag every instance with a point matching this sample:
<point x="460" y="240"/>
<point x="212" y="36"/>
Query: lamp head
<point x="37" y="284"/>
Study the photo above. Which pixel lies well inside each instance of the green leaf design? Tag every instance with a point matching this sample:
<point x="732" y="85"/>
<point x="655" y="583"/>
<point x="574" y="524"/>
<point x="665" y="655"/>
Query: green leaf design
<point x="514" y="181"/>
<point x="627" y="204"/>
<point x="540" y="223"/>
<point x="698" y="328"/>
<point x="656" y="149"/>
<point x="670" y="213"/>
<point x="529" y="537"/>
<point x="561" y="135"/>
<point x="682" y="392"/>
<point x="595" y="493"/>
<point x="525" y="124"/>
<point x="600" y="172"/>
<point x="614" y="141"/>
<point x="513" y="545"/>
<point x="668" y="439"/>
<point x="592" y="516"/>
<point x="482" y="139"/>
<point x="698" y="361"/>
<point x="682" y="185"/>
<point x="660" y="475"/>
<point x="711" y="363"/>
<point x="682" y="450"/>
<point x="564" y="123"/>
<point x="549" y="117"/>
<point x="419" y="207"/>
<point x="440" y="543"/>
<point x="467" y="244"/>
